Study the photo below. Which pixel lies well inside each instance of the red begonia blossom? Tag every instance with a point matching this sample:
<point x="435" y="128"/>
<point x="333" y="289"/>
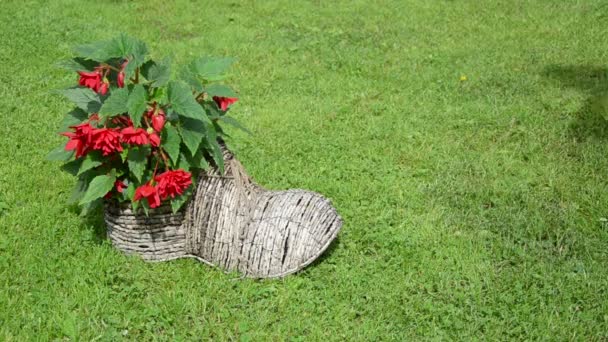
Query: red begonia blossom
<point x="90" y="79"/>
<point x="148" y="192"/>
<point x="106" y="140"/>
<point x="154" y="139"/>
<point x="120" y="80"/>
<point x="80" y="139"/>
<point x="134" y="136"/>
<point x="119" y="185"/>
<point x="224" y="102"/>
<point x="173" y="183"/>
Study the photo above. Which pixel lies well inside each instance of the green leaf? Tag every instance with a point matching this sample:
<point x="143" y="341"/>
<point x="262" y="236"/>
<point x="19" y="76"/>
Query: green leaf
<point x="122" y="46"/>
<point x="73" y="118"/>
<point x="137" y="160"/>
<point x="171" y="142"/>
<point x="158" y="73"/>
<point x="79" y="189"/>
<point x="216" y="151"/>
<point x="183" y="102"/>
<point x="137" y="104"/>
<point x="129" y="192"/>
<point x="91" y="161"/>
<point x="190" y="77"/>
<point x="197" y="161"/>
<point x="184" y="161"/>
<point x="98" y="188"/>
<point x="212" y="110"/>
<point x="233" y="122"/>
<point x="192" y="132"/>
<point x="211" y="68"/>
<point x="60" y="154"/>
<point x="220" y="90"/>
<point x="89" y="207"/>
<point x="72" y="167"/>
<point x="116" y="103"/>
<point x="178" y="202"/>
<point x="98" y="51"/>
<point x="77" y="64"/>
<point x="85" y="98"/>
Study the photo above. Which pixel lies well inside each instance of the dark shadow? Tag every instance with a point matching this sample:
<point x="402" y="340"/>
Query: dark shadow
<point x="326" y="254"/>
<point x="93" y="222"/>
<point x="592" y="118"/>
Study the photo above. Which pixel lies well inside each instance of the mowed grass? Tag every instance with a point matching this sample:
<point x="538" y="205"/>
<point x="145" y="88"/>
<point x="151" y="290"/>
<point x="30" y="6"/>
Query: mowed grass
<point x="461" y="141"/>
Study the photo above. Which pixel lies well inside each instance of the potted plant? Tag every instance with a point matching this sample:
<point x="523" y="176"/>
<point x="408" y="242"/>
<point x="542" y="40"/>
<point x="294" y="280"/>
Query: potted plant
<point x="149" y="147"/>
<point x="137" y="135"/>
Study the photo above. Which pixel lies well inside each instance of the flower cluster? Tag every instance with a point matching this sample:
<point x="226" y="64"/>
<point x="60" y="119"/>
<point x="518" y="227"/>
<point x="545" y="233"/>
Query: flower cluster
<point x="141" y="136"/>
<point x="168" y="184"/>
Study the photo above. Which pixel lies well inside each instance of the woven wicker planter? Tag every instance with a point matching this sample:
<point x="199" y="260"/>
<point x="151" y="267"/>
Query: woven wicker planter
<point x="157" y="237"/>
<point x="232" y="223"/>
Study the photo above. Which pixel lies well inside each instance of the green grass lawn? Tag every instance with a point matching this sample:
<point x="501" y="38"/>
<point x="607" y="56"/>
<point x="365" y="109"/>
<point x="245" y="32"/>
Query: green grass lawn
<point x="461" y="142"/>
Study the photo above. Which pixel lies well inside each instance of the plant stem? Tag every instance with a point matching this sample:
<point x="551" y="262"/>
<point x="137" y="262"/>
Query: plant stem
<point x="110" y="67"/>
<point x="200" y="97"/>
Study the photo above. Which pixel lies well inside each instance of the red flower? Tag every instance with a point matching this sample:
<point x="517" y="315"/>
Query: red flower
<point x="157" y="116"/>
<point x="106" y="140"/>
<point x="134" y="136"/>
<point x="80" y="139"/>
<point x="148" y="192"/>
<point x="93" y="80"/>
<point x="121" y="79"/>
<point x="90" y="79"/>
<point x="158" y="121"/>
<point x="154" y="139"/>
<point x="173" y="183"/>
<point x="103" y="88"/>
<point x="224" y="102"/>
<point x="119" y="185"/>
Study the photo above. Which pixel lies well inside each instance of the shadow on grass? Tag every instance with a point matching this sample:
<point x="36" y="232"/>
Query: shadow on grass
<point x="326" y="254"/>
<point x="591" y="119"/>
<point x="94" y="223"/>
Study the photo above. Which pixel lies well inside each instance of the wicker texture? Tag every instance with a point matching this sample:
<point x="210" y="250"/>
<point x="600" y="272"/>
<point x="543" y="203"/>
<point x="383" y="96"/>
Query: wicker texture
<point x="234" y="224"/>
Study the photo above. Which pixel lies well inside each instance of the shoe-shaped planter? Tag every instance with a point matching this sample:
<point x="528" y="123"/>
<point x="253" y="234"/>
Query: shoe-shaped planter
<point x="232" y="223"/>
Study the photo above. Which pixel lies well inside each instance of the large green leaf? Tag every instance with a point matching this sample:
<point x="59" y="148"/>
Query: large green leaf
<point x="178" y="202"/>
<point x="98" y="51"/>
<point x="137" y="104"/>
<point x="220" y="90"/>
<point x="216" y="151"/>
<point x="233" y="122"/>
<point x="73" y="118"/>
<point x="184" y="161"/>
<point x="77" y="64"/>
<point x="138" y="160"/>
<point x="171" y="142"/>
<point x="122" y="46"/>
<point x="197" y="161"/>
<point x="192" y="132"/>
<point x="211" y="68"/>
<point x="73" y="166"/>
<point x="85" y="98"/>
<point x="82" y="184"/>
<point x="91" y="161"/>
<point x="191" y="78"/>
<point x="183" y="102"/>
<point x="98" y="188"/>
<point x="60" y="154"/>
<point x="116" y="103"/>
<point x="157" y="73"/>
